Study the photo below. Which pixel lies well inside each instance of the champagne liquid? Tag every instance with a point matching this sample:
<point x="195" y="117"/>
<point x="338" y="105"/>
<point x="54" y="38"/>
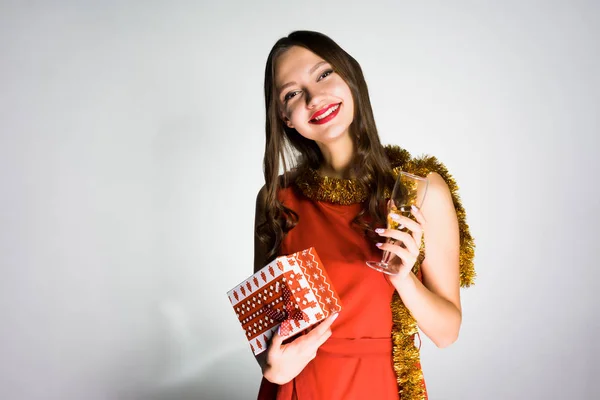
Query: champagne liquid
<point x="408" y="190"/>
<point x="391" y="224"/>
<point x="404" y="211"/>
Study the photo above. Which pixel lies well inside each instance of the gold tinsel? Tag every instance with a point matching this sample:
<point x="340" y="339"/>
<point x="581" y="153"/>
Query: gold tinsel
<point x="405" y="355"/>
<point x="332" y="190"/>
<point x="422" y="166"/>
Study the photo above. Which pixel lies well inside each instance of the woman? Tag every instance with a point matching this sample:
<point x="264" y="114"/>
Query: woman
<point x="317" y="105"/>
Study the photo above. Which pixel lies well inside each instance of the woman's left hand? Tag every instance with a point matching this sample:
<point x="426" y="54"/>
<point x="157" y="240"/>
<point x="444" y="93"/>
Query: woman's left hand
<point x="407" y="255"/>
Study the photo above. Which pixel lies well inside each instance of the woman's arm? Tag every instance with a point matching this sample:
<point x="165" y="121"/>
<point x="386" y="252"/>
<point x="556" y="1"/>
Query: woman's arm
<point x="435" y="303"/>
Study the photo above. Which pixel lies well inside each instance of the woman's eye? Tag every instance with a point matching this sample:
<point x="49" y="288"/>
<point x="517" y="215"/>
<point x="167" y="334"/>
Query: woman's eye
<point x="326" y="74"/>
<point x="290" y="95"/>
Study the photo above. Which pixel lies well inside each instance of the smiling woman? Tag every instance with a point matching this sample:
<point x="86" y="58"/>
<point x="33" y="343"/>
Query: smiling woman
<point x="333" y="199"/>
<point x="312" y="96"/>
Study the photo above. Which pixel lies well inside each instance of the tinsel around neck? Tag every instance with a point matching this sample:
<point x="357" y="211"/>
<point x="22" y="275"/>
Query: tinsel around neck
<point x="332" y="190"/>
<point x="343" y="191"/>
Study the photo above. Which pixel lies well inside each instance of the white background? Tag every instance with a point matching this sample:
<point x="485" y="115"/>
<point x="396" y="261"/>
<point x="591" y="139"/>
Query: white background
<point x="131" y="141"/>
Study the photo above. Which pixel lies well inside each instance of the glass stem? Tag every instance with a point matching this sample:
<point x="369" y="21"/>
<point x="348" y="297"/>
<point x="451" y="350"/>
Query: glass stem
<point x="387" y="256"/>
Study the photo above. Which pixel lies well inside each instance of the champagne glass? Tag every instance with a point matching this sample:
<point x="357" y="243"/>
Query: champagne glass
<point x="408" y="190"/>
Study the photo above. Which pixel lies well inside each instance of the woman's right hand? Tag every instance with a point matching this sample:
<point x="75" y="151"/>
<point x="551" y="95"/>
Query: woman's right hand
<point x="285" y="361"/>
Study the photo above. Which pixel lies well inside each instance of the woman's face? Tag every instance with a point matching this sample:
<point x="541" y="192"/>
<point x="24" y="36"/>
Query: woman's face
<point x="312" y="98"/>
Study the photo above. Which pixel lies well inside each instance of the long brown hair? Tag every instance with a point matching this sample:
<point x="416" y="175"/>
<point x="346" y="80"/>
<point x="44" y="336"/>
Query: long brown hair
<point x="369" y="165"/>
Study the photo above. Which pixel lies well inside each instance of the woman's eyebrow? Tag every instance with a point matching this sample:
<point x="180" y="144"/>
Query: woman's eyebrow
<point x="310" y="72"/>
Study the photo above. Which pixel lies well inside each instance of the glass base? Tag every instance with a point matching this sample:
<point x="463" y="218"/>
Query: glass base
<point x="382" y="267"/>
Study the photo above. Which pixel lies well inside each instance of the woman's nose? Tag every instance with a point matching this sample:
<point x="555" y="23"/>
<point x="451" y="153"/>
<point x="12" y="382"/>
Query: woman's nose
<point x="313" y="99"/>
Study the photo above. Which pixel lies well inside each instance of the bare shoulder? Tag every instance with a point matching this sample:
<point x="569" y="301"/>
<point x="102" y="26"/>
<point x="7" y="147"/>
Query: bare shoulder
<point x="438" y="197"/>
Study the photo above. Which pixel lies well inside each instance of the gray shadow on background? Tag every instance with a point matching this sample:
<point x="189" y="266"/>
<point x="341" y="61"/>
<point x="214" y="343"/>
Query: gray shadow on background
<point x="235" y="376"/>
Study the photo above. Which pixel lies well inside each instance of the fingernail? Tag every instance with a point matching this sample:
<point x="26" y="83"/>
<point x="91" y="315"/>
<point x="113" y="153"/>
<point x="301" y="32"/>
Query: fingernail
<point x="334" y="317"/>
<point x="414" y="208"/>
<point x="395" y="217"/>
<point x="379" y="230"/>
<point x="378" y="244"/>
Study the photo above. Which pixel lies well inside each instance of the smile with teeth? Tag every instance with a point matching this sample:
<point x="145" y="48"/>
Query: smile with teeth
<point x="326" y="113"/>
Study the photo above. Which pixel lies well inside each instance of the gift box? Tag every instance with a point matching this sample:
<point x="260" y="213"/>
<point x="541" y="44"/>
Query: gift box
<point x="292" y="291"/>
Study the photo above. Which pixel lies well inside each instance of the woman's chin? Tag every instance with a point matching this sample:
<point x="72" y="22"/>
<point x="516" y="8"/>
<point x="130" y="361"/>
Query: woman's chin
<point x="329" y="135"/>
<point x="336" y="136"/>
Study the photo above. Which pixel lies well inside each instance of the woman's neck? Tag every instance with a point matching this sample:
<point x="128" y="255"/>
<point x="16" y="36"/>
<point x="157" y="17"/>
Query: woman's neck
<point x="337" y="157"/>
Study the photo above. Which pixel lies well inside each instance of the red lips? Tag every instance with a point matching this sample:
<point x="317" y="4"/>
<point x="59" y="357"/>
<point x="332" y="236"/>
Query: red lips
<point x="322" y="111"/>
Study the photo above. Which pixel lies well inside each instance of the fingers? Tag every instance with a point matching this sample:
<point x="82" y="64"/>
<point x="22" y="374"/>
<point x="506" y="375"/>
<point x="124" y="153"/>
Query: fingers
<point x="322" y="328"/>
<point x="322" y="332"/>
<point x="410" y="224"/>
<point x="290" y="358"/>
<point x="418" y="234"/>
<point x="418" y="215"/>
<point x="407" y="257"/>
<point x="404" y="237"/>
<point x="277" y="339"/>
<point x="415" y="227"/>
<point x="324" y="337"/>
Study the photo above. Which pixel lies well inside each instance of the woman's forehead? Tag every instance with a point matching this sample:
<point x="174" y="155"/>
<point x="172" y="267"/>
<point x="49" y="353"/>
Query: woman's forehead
<point x="295" y="61"/>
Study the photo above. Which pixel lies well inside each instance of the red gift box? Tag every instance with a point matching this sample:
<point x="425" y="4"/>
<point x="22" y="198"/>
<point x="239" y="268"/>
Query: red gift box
<point x="292" y="291"/>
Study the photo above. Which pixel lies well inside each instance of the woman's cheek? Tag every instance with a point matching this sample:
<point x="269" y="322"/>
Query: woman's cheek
<point x="294" y="114"/>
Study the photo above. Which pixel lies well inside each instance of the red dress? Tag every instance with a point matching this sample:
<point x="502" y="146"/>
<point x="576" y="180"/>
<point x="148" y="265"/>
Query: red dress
<point x="356" y="361"/>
